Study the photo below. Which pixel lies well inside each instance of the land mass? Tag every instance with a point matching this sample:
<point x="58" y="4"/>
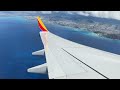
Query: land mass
<point x="101" y="27"/>
<point x="105" y="30"/>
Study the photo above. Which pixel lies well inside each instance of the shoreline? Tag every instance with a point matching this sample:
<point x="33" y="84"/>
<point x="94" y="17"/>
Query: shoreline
<point x="102" y="30"/>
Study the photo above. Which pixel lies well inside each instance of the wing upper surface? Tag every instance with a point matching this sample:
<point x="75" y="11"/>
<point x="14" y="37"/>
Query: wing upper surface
<point x="63" y="57"/>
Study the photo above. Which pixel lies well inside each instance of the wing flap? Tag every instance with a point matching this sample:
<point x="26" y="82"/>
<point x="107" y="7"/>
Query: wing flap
<point x="70" y="66"/>
<point x="106" y="63"/>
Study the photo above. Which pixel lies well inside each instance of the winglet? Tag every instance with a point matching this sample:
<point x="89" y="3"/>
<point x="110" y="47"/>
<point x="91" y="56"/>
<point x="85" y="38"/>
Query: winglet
<point x="41" y="24"/>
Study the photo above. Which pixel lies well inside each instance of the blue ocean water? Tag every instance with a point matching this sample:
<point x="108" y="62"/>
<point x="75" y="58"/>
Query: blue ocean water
<point x="19" y="37"/>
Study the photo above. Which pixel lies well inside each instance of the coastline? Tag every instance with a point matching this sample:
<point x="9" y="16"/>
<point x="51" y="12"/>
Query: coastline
<point x="101" y="29"/>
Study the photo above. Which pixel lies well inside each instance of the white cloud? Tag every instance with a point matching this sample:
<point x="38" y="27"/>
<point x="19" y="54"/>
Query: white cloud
<point x="69" y="12"/>
<point x="82" y="13"/>
<point x="46" y="12"/>
<point x="101" y="14"/>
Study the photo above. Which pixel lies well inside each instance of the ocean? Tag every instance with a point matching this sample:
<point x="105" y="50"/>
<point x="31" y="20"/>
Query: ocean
<point x="19" y="37"/>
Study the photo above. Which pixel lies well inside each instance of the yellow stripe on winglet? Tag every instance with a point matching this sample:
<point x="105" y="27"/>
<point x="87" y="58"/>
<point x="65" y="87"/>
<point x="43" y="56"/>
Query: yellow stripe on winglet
<point x="42" y="24"/>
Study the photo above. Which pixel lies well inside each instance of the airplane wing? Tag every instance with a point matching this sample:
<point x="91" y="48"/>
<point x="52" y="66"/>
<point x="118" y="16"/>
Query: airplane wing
<point x="69" y="60"/>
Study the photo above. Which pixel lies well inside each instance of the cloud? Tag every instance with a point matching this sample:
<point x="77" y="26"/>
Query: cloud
<point x="101" y="14"/>
<point x="80" y="13"/>
<point x="46" y="12"/>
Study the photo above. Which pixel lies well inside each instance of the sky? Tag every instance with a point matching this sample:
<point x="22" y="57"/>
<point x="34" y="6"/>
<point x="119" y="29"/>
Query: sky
<point x="101" y="14"/>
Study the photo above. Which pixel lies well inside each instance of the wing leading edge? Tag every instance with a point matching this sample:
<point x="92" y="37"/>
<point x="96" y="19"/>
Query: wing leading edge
<point x="68" y="60"/>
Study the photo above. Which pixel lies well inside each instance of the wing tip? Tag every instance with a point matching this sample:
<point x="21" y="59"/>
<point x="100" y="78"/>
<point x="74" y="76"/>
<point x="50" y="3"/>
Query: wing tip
<point x="41" y="24"/>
